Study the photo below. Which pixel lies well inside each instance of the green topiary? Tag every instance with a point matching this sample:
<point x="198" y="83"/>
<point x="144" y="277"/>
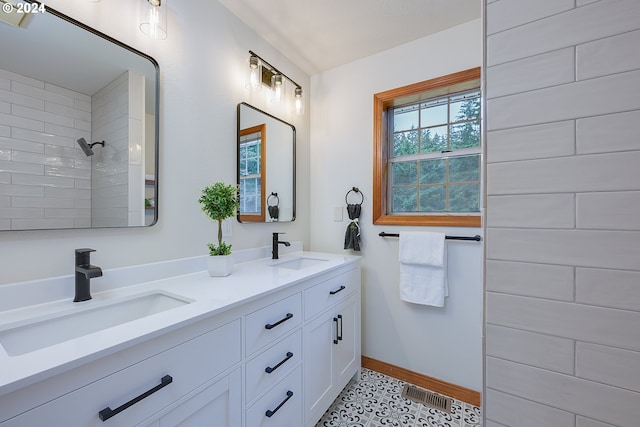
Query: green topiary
<point x="219" y="202"/>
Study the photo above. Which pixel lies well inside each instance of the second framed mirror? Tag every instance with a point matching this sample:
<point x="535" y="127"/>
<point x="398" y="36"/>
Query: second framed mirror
<point x="266" y="166"/>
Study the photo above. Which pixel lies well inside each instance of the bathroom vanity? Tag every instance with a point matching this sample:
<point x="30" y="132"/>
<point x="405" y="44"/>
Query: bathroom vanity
<point x="271" y="345"/>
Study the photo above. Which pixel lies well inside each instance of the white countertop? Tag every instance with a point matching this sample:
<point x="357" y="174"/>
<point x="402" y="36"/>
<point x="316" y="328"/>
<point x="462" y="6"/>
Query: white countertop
<point x="210" y="295"/>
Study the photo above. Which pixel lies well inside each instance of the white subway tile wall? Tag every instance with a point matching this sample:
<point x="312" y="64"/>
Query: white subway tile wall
<point x="42" y="169"/>
<point x="110" y="107"/>
<point x="563" y="203"/>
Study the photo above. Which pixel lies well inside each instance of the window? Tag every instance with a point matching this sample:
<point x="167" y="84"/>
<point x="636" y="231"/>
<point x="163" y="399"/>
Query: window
<point x="427" y="152"/>
<point x="252" y="167"/>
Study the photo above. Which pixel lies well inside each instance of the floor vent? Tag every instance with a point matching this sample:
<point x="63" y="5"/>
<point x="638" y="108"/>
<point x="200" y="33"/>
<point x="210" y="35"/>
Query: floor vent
<point x="427" y="398"/>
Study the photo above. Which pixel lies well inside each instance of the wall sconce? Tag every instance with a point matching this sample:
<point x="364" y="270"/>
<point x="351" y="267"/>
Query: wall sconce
<point x="153" y="18"/>
<point x="261" y="73"/>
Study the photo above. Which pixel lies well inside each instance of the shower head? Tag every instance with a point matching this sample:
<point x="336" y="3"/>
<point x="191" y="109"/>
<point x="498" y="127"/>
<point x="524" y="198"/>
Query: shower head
<point x="88" y="148"/>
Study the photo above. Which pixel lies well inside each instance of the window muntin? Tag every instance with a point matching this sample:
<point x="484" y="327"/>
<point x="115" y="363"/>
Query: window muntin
<point x="427" y="158"/>
<point x="435" y="160"/>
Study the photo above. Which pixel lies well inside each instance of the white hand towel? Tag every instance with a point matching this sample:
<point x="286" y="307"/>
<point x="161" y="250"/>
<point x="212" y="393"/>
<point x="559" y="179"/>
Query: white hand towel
<point x="423" y="268"/>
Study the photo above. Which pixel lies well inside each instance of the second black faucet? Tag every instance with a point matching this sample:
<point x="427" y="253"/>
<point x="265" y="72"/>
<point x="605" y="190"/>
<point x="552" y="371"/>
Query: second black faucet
<point x="275" y="244"/>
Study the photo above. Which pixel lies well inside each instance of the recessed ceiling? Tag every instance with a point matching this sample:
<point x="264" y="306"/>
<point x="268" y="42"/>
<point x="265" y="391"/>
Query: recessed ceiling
<point x="320" y="35"/>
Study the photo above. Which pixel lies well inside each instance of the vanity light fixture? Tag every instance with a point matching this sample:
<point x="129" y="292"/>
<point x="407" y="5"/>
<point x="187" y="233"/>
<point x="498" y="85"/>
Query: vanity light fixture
<point x="153" y="18"/>
<point x="261" y="73"/>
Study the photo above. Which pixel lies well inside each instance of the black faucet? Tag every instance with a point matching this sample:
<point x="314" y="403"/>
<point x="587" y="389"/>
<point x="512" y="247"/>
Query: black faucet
<point x="84" y="273"/>
<point x="276" y="242"/>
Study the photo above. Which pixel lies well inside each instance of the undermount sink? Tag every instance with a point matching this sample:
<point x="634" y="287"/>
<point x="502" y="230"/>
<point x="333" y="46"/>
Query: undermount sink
<point x="298" y="263"/>
<point x="82" y="320"/>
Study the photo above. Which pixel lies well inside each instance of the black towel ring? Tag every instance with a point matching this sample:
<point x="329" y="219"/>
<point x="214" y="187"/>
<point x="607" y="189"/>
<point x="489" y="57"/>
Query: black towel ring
<point x="277" y="199"/>
<point x="354" y="190"/>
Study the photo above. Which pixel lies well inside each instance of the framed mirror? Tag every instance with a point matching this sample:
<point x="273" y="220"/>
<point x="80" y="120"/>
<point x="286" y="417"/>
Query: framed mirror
<point x="78" y="125"/>
<point x="266" y="166"/>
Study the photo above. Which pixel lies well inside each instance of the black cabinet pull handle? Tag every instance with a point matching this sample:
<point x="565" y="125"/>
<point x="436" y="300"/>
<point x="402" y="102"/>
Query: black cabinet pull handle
<point x="273" y="325"/>
<point x="340" y="319"/>
<point x="270" y="413"/>
<point x="335" y="341"/>
<point x="342" y="288"/>
<point x="107" y="412"/>
<point x="269" y="369"/>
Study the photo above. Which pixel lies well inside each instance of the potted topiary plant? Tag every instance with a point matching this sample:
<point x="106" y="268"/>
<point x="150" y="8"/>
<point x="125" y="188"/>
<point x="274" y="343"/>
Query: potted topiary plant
<point x="219" y="202"/>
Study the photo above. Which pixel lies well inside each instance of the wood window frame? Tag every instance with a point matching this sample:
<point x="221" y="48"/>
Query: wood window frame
<point x="381" y="103"/>
<point x="262" y="130"/>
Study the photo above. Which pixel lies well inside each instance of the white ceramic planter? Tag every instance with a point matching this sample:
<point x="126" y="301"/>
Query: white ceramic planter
<point x="220" y="265"/>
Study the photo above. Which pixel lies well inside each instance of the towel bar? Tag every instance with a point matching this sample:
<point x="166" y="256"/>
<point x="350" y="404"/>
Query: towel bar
<point x="476" y="238"/>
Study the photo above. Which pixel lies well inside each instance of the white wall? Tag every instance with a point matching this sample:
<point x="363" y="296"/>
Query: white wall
<point x="202" y="66"/>
<point x="443" y="343"/>
<point x="562" y="269"/>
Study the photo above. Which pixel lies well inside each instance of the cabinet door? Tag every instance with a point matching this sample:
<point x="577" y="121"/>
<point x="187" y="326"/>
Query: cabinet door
<point x="319" y="380"/>
<point x="217" y="405"/>
<point x="347" y="351"/>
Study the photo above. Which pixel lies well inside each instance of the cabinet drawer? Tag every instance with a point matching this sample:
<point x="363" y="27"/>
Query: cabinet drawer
<point x="325" y="294"/>
<point x="269" y="323"/>
<point x="189" y="365"/>
<point x="285" y="409"/>
<point x="279" y="359"/>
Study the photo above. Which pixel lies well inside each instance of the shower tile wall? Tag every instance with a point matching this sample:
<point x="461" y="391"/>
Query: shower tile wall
<point x="110" y="106"/>
<point x="45" y="178"/>
<point x="563" y="196"/>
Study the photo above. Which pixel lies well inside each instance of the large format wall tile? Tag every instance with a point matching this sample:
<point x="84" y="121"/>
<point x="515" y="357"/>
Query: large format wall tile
<point x="532" y="142"/>
<point x="531" y="211"/>
<point x="584" y="24"/>
<point x="608" y="133"/>
<point x="543" y="351"/>
<point x="513" y="411"/>
<point x="567" y="320"/>
<point x="602" y="95"/>
<point x="540" y="71"/>
<point x="582" y="248"/>
<point x="594" y="400"/>
<point x="611" y="210"/>
<point x="608" y="365"/>
<point x="505" y="14"/>
<point x="608" y="288"/>
<point x="595" y="172"/>
<point x="527" y="279"/>
<point x="608" y="56"/>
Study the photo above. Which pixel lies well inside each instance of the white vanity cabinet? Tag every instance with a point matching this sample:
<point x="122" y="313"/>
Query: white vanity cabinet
<point x="175" y="383"/>
<point x="331" y="341"/>
<point x="275" y="358"/>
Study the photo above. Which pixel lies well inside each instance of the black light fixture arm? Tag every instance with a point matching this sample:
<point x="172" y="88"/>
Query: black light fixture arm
<point x="274" y="69"/>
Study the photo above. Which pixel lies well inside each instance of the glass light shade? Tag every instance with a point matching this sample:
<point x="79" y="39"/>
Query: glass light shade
<point x="298" y="101"/>
<point x="278" y="88"/>
<point x="153" y="18"/>
<point x="254" y="79"/>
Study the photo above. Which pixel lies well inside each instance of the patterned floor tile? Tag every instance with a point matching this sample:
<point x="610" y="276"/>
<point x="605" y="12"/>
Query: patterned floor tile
<point x="376" y="401"/>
